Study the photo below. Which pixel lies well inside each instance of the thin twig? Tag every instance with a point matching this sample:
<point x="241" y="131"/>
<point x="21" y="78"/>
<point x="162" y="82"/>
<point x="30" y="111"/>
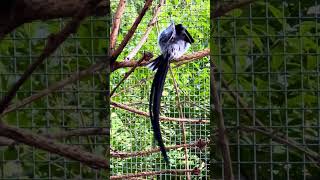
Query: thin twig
<point x="146" y="57"/>
<point x="54" y="41"/>
<point x="191" y="57"/>
<point x="152" y="173"/>
<point x="162" y="118"/>
<point x="116" y="24"/>
<point x="138" y="84"/>
<point x="263" y="128"/>
<point x="181" y="115"/>
<point x="238" y="98"/>
<point x="199" y="144"/>
<point x="223" y="142"/>
<point x="62" y="134"/>
<point x="84" y="73"/>
<point x="74" y="77"/>
<point x="131" y="31"/>
<point x="315" y="156"/>
<point x="41" y="142"/>
<point x="227" y="7"/>
<point x="182" y="60"/>
<point x="78" y="132"/>
<point x="146" y="33"/>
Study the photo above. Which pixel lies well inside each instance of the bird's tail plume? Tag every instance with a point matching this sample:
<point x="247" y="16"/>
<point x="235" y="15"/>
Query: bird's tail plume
<point x="162" y="66"/>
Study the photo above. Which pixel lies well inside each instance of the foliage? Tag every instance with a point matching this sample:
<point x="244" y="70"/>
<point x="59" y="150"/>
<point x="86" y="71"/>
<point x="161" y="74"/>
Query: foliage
<point x="267" y="52"/>
<point x="74" y="107"/>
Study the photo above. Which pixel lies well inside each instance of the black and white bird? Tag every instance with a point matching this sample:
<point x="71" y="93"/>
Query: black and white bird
<point x="174" y="41"/>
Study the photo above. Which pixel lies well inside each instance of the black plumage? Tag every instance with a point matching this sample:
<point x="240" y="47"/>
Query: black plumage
<point x="174" y="42"/>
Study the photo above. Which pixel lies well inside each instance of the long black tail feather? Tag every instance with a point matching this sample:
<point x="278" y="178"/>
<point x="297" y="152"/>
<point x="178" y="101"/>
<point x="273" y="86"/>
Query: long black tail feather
<point x="162" y="66"/>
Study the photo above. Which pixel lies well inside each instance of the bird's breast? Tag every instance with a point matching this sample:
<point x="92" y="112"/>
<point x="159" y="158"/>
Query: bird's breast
<point x="177" y="49"/>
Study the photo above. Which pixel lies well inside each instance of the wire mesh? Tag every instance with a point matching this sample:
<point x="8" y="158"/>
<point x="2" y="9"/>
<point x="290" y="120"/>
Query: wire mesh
<point x="132" y="133"/>
<point x="75" y="107"/>
<point x="267" y="59"/>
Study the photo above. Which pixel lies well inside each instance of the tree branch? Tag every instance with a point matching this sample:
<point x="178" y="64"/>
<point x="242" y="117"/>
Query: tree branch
<point x="223" y="142"/>
<point x="54" y="41"/>
<point x="89" y="71"/>
<point x="199" y="144"/>
<point x="264" y="130"/>
<point x="181" y="115"/>
<point x="182" y="60"/>
<point x="62" y="134"/>
<point x="71" y="152"/>
<point x="131" y="31"/>
<point x="116" y="24"/>
<point x="18" y="12"/>
<point x="195" y="171"/>
<point x="227" y="7"/>
<point x="315" y="156"/>
<point x="142" y="113"/>
<point x="146" y="57"/>
<point x="147" y="32"/>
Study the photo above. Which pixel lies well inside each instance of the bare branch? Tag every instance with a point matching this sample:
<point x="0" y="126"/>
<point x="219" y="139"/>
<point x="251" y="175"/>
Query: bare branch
<point x="227" y="7"/>
<point x="199" y="144"/>
<point x="89" y="71"/>
<point x="195" y="171"/>
<point x="78" y="132"/>
<point x="131" y="31"/>
<point x="142" y="113"/>
<point x="181" y="115"/>
<point x="282" y="140"/>
<point x="146" y="57"/>
<point x="264" y="130"/>
<point x="191" y="57"/>
<point x="18" y="12"/>
<point x="146" y="33"/>
<point x="54" y="41"/>
<point x="116" y="24"/>
<point x="74" y="77"/>
<point x="223" y="142"/>
<point x="182" y="60"/>
<point x="46" y="144"/>
<point x="62" y="134"/>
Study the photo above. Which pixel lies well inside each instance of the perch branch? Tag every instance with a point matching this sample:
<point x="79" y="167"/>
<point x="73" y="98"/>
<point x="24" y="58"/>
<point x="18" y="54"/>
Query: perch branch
<point x="238" y="98"/>
<point x="78" y="132"/>
<point x="227" y="7"/>
<point x="146" y="57"/>
<point x="54" y="41"/>
<point x="74" y="77"/>
<point x="181" y="115"/>
<point x="223" y="142"/>
<point x="138" y="84"/>
<point x="182" y="60"/>
<point x="62" y="134"/>
<point x="142" y="113"/>
<point x="191" y="57"/>
<point x="41" y="142"/>
<point x="84" y="73"/>
<point x="146" y="33"/>
<point x="199" y="144"/>
<point x="315" y="156"/>
<point x="131" y="31"/>
<point x="18" y="12"/>
<point x="264" y="130"/>
<point x="116" y="24"/>
<point x="195" y="171"/>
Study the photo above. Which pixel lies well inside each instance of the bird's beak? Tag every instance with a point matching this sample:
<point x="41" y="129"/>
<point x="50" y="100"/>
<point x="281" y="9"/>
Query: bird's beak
<point x="172" y="26"/>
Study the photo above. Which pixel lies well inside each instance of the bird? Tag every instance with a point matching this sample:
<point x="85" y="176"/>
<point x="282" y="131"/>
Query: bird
<point x="174" y="41"/>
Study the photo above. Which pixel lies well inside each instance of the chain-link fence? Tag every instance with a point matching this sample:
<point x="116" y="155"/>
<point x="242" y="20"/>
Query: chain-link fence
<point x="267" y="60"/>
<point x="184" y="105"/>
